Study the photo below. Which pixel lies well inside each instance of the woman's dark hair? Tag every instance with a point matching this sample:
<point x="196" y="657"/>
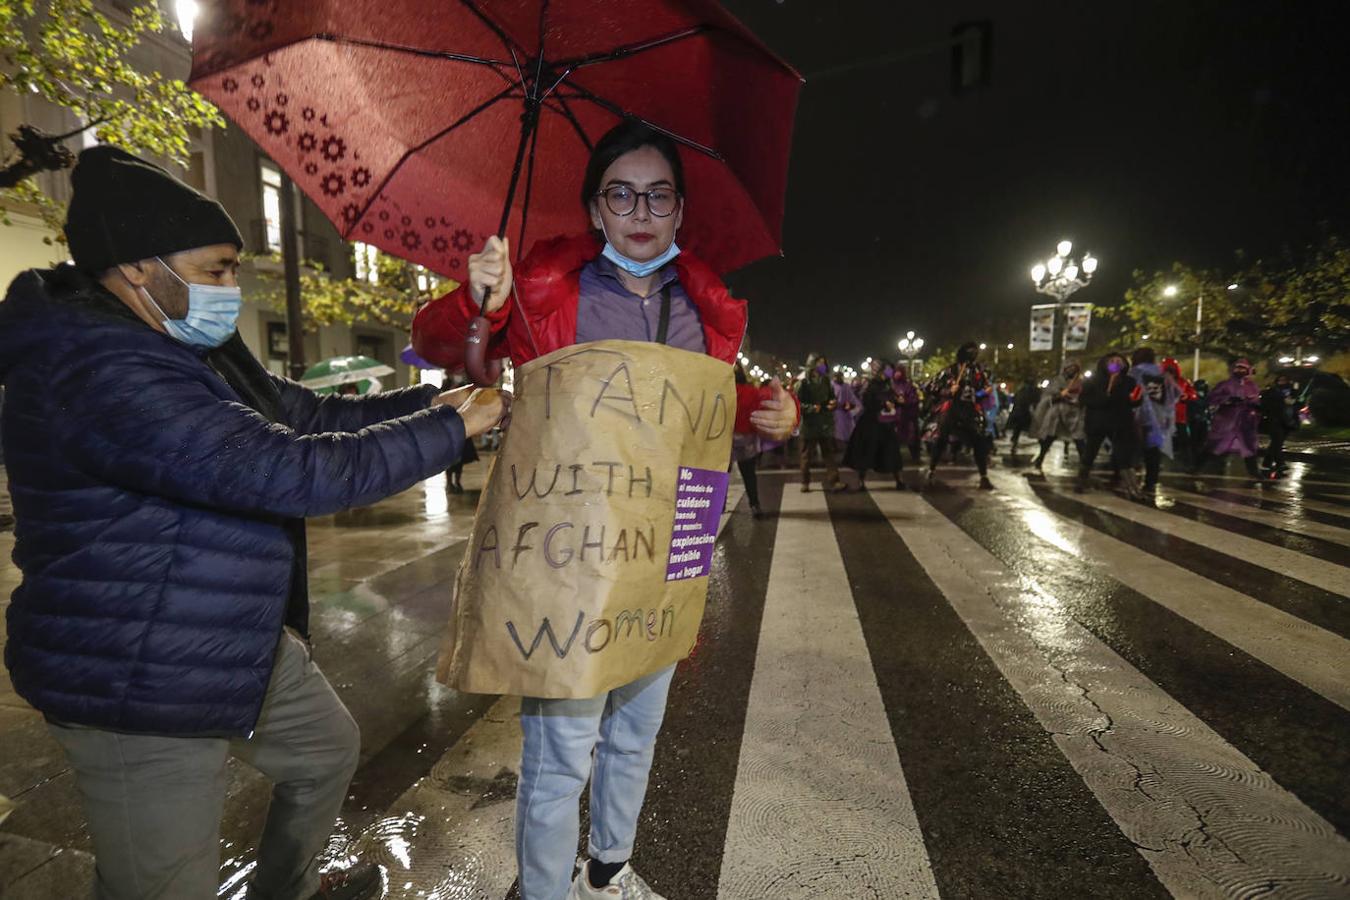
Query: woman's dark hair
<point x="627" y="136"/>
<point x="1143" y="355"/>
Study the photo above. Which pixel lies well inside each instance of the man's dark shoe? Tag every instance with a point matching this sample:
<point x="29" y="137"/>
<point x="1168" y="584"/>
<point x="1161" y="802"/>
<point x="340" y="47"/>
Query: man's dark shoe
<point x="357" y="883"/>
<point x="986" y="484"/>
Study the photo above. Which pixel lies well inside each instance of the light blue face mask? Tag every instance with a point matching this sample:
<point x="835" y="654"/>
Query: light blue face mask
<point x="632" y="266"/>
<point x="213" y="313"/>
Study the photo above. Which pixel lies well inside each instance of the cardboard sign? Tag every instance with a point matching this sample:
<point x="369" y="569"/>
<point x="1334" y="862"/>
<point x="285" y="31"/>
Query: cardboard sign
<point x="588" y="562"/>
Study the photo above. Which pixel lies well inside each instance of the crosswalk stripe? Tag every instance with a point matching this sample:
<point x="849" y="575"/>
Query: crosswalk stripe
<point x="1276" y="722"/>
<point x="1235" y="522"/>
<point x="991" y="789"/>
<point x="1325" y="575"/>
<point x="1178" y="790"/>
<point x="1313" y="656"/>
<point x="1291" y="520"/>
<point x="1336" y="515"/>
<point x="1150" y="763"/>
<point x="1298" y="598"/>
<point x="819" y="778"/>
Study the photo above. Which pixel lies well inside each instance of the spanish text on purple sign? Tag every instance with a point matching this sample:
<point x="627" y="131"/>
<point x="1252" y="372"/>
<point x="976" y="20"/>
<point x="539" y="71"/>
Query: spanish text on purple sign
<point x="699" y="495"/>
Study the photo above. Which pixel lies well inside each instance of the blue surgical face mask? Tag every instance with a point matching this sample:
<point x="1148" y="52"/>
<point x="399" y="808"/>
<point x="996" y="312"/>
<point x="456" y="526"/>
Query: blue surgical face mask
<point x="213" y="313"/>
<point x="632" y="266"/>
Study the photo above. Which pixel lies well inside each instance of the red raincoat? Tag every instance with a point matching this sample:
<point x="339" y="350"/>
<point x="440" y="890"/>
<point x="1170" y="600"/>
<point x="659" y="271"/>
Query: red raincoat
<point x="548" y="285"/>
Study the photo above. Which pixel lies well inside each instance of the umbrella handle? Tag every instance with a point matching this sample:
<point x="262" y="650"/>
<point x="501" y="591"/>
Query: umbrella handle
<point x="482" y="370"/>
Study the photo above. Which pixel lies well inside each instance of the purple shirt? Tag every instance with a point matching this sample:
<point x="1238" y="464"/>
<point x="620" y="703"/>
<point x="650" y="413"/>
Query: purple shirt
<point x="608" y="311"/>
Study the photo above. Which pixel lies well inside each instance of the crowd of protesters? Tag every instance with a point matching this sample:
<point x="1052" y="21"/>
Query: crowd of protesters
<point x="1130" y="412"/>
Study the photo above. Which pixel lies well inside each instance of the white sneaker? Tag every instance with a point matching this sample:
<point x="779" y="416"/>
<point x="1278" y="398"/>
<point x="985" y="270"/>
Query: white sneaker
<point x="627" y="885"/>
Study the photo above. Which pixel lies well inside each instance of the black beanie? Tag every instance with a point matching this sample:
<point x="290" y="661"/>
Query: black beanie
<point x="124" y="209"/>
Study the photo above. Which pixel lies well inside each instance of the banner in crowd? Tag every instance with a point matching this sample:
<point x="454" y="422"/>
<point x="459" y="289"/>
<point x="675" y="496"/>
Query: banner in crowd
<point x="588" y="562"/>
<point x="1043" y="327"/>
<point x="1077" y="320"/>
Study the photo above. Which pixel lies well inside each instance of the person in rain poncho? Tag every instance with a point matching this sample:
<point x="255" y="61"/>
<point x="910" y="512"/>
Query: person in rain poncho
<point x="1059" y="413"/>
<point x="1235" y="416"/>
<point x="847" y="408"/>
<point x="907" y="411"/>
<point x="1156" y="415"/>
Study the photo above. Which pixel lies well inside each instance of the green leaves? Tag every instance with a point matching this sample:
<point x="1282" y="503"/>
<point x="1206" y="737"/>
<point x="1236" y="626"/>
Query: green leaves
<point x="75" y="57"/>
<point x="332" y="301"/>
<point x="1274" y="307"/>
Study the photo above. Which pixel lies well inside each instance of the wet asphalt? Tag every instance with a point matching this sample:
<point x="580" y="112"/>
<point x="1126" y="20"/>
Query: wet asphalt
<point x="1002" y="811"/>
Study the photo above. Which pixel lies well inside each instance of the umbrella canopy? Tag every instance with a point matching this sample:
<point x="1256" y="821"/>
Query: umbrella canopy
<point x="326" y="375"/>
<point x="412" y="123"/>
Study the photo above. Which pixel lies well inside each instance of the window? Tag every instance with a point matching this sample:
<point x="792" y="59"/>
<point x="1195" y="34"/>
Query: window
<point x="271" y="204"/>
<point x="278" y="343"/>
<point x="367" y="263"/>
<point x="270" y="176"/>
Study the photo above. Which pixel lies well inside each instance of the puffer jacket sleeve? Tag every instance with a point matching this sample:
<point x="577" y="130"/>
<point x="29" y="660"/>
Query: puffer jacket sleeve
<point x="157" y="424"/>
<point x="311" y="413"/>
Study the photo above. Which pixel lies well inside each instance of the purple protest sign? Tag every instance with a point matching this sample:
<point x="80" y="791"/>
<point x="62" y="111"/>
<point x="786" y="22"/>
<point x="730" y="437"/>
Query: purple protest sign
<point x="699" y="496"/>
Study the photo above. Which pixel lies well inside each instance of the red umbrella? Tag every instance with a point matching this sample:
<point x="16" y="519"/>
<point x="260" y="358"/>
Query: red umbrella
<point x="410" y="123"/>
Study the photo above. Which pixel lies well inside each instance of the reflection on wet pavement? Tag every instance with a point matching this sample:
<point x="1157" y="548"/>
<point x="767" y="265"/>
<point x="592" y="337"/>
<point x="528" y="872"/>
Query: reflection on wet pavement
<point x="1066" y="690"/>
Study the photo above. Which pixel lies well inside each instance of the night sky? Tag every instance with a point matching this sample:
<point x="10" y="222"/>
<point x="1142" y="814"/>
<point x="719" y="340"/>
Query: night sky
<point x="1144" y="131"/>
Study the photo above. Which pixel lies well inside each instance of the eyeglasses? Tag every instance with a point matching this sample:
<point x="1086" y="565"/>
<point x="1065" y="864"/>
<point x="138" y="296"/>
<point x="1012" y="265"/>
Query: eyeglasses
<point x="622" y="200"/>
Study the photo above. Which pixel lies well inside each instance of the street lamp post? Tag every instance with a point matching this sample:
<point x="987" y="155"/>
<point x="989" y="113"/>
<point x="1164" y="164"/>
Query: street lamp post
<point x="1171" y="291"/>
<point x="910" y="346"/>
<point x="1059" y="277"/>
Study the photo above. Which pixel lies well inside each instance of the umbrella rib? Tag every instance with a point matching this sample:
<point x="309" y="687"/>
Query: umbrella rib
<point x="428" y="142"/>
<point x="414" y="51"/>
<point x="539" y="63"/>
<point x="565" y="111"/>
<point x="616" y="109"/>
<point x="630" y="49"/>
<point x="496" y="29"/>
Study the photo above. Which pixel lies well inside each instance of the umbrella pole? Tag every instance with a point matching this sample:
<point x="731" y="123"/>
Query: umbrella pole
<point x="483" y="371"/>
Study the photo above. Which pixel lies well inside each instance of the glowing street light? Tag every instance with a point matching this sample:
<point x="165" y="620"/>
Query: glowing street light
<point x="1059" y="277"/>
<point x="910" y="345"/>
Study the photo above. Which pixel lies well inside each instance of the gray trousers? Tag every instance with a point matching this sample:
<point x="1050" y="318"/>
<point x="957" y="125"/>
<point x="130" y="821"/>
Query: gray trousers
<point x="154" y="804"/>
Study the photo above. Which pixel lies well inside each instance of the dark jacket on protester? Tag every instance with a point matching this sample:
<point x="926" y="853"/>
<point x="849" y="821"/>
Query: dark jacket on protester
<point x="815" y="392"/>
<point x="874" y="444"/>
<point x="1111" y="412"/>
<point x="159" y="494"/>
<point x="1024" y="401"/>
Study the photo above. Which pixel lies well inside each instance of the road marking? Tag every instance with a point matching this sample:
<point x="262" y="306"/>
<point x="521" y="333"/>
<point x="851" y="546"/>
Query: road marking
<point x="1312" y="656"/>
<point x="1209" y="821"/>
<point x="819" y="778"/>
<point x="1325" y="575"/>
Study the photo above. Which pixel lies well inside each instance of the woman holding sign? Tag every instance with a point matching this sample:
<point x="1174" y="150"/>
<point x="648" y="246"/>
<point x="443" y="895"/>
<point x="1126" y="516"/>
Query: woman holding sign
<point x="627" y="281"/>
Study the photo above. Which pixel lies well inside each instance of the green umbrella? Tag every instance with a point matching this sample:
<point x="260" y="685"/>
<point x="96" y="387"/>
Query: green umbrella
<point x="326" y="376"/>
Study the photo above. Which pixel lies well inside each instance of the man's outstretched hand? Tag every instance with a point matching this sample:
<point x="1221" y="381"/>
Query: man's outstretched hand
<point x="480" y="408"/>
<point x="777" y="415"/>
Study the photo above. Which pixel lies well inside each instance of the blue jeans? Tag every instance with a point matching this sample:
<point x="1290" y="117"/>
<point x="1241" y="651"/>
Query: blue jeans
<point x="611" y="740"/>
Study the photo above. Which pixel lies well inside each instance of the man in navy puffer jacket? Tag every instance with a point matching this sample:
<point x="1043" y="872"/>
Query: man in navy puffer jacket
<point x="160" y="478"/>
